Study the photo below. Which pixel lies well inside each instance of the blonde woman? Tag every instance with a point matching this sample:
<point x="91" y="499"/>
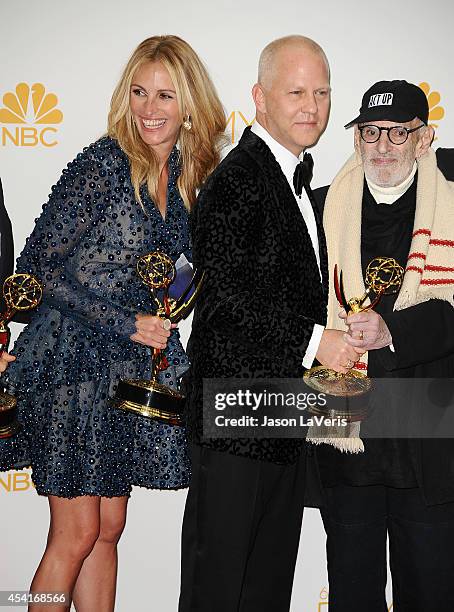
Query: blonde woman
<point x="127" y="194"/>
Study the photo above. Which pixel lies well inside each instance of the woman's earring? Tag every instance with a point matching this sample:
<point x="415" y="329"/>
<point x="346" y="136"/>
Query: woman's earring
<point x="187" y="123"/>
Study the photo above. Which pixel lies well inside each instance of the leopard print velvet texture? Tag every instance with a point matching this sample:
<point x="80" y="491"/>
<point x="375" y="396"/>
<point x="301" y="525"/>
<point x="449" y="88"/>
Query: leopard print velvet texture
<point x="262" y="292"/>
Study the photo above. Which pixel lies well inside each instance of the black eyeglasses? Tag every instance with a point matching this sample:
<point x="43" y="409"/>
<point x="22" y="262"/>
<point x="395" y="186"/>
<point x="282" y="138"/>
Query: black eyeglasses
<point x="397" y="134"/>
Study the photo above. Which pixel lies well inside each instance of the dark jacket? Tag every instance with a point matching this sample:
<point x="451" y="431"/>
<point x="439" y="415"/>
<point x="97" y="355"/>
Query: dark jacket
<point x="445" y="161"/>
<point x="262" y="292"/>
<point x="6" y="238"/>
<point x="7" y="257"/>
<point x="423" y="339"/>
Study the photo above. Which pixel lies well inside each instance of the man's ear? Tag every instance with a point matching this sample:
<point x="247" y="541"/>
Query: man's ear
<point x="258" y="95"/>
<point x="425" y="141"/>
<point x="357" y="137"/>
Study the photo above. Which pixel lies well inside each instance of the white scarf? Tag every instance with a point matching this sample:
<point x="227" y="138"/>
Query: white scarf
<point x="429" y="273"/>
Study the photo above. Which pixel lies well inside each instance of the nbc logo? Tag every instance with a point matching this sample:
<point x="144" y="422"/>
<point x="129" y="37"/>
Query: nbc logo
<point x="12" y="482"/>
<point x="436" y="111"/>
<point x="28" y="114"/>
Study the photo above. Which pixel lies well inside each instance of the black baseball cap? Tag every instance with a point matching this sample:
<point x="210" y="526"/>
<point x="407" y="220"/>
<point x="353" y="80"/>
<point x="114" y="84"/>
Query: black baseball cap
<point x="392" y="101"/>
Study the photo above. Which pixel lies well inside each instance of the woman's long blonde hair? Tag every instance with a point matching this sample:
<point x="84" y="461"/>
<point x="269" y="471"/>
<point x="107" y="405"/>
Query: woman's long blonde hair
<point x="196" y="96"/>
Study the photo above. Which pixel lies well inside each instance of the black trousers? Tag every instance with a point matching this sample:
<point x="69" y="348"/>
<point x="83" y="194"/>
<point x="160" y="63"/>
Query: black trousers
<point x="421" y="548"/>
<point x="241" y="532"/>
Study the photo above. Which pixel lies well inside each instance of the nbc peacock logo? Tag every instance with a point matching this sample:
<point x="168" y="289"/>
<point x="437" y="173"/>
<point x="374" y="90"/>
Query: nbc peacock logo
<point x="436" y="111"/>
<point x="28" y="115"/>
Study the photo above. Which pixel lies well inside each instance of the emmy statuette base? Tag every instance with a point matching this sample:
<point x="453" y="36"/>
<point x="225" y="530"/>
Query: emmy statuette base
<point x="330" y="382"/>
<point x="348" y="393"/>
<point x="150" y="399"/>
<point x="8" y="415"/>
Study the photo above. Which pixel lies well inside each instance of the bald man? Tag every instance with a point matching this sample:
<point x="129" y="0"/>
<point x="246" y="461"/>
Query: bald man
<point x="261" y="314"/>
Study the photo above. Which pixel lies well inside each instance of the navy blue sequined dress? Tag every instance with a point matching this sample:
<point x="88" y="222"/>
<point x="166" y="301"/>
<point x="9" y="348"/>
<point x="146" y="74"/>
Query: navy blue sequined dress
<point x="84" y="249"/>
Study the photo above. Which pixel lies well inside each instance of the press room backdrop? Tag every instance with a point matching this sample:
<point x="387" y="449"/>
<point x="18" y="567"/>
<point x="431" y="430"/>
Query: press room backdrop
<point x="70" y="55"/>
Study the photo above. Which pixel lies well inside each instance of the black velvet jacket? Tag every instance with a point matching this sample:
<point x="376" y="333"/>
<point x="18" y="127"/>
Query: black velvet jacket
<point x="262" y="292"/>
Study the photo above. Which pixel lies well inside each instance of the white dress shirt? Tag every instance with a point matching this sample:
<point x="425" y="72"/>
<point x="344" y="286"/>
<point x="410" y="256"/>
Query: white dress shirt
<point x="288" y="162"/>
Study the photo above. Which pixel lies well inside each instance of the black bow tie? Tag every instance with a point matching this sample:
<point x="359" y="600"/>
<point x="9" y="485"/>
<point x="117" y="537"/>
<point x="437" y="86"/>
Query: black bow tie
<point x="303" y="174"/>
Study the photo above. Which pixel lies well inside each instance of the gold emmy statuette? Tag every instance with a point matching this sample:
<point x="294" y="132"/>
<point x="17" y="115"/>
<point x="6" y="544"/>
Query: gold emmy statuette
<point x="148" y="397"/>
<point x="20" y="292"/>
<point x="383" y="277"/>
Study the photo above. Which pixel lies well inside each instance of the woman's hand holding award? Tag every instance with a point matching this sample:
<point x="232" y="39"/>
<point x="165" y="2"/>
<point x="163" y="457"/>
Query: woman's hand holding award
<point x="148" y="397"/>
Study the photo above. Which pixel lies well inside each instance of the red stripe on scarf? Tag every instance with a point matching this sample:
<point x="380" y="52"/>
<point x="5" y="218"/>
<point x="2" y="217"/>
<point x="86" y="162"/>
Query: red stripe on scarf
<point x="359" y="365"/>
<point x="438" y="268"/>
<point x="438" y="281"/>
<point x="439" y="242"/>
<point x="426" y="232"/>
<point x="416" y="256"/>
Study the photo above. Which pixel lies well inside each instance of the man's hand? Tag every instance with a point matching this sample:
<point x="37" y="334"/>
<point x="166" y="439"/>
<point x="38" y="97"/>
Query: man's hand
<point x="150" y="331"/>
<point x="366" y="331"/>
<point x="5" y="359"/>
<point x="335" y="353"/>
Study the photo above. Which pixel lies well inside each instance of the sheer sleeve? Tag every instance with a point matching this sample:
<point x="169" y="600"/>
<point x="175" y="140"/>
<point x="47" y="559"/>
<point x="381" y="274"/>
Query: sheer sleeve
<point x="67" y="225"/>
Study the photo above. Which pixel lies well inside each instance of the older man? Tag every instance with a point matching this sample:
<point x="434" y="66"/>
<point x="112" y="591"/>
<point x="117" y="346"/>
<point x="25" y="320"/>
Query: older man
<point x="390" y="200"/>
<point x="261" y="314"/>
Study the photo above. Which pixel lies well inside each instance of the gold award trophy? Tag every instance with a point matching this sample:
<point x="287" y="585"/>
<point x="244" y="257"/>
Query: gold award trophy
<point x="21" y="292"/>
<point x="383" y="277"/>
<point x="148" y="397"/>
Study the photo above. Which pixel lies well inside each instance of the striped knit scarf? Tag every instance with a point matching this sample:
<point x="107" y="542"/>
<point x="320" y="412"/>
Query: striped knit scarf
<point x="429" y="272"/>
